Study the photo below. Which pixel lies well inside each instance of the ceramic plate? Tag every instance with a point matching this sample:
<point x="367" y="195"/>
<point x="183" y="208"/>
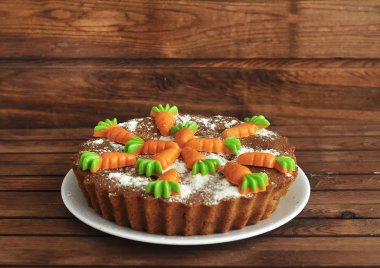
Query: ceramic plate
<point x="290" y="206"/>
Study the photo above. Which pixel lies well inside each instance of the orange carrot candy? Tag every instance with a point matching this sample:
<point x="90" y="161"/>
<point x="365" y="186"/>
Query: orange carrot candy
<point x="214" y="145"/>
<point x="156" y="146"/>
<point x="184" y="133"/>
<point x="110" y="160"/>
<point x="166" y="185"/>
<point x="112" y="131"/>
<point x="257" y="159"/>
<point x="167" y="157"/>
<point x="249" y="128"/>
<point x="285" y="164"/>
<point x="164" y="117"/>
<point x="240" y="131"/>
<point x="191" y="156"/>
<point x="259" y="120"/>
<point x="247" y="181"/>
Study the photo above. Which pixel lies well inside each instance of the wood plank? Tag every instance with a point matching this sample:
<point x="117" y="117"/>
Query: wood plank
<point x="299" y="131"/>
<point x="36" y="97"/>
<point x="336" y="143"/>
<point x="318" y="182"/>
<point x="190" y="29"/>
<point x="32" y="204"/>
<point x="296" y="227"/>
<point x="322" y="204"/>
<point x="30" y="183"/>
<point x="220" y="63"/>
<point x="344" y="182"/>
<point x="258" y="251"/>
<point x="42" y="146"/>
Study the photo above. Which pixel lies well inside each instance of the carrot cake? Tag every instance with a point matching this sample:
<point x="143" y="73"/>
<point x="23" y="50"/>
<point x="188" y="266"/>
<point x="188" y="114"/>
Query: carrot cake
<point x="181" y="174"/>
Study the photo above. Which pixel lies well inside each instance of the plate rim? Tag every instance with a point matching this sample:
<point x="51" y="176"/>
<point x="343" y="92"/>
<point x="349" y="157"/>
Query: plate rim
<point x="124" y="232"/>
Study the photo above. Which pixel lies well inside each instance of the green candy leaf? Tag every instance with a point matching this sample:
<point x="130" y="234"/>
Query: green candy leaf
<point x="189" y="125"/>
<point x="102" y="125"/>
<point x="158" y="189"/>
<point x="133" y="145"/>
<point x="162" y="188"/>
<point x="148" y="167"/>
<point x="286" y="162"/>
<point x="174" y="187"/>
<point x="257" y="120"/>
<point x="254" y="180"/>
<point x="206" y="166"/>
<point x="159" y="108"/>
<point x="88" y="159"/>
<point x="233" y="144"/>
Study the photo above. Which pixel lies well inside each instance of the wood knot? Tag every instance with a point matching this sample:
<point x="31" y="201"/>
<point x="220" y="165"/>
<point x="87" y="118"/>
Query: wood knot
<point x="347" y="215"/>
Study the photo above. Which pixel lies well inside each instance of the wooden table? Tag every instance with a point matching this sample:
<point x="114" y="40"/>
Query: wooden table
<point x="339" y="226"/>
<point x="312" y="67"/>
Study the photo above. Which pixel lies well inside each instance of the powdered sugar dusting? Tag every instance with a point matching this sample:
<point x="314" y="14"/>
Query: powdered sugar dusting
<point x="117" y="147"/>
<point x="92" y="142"/>
<point x="166" y="138"/>
<point x="264" y="133"/>
<point x="130" y="180"/>
<point x="131" y="125"/>
<point x="182" y="119"/>
<point x="220" y="157"/>
<point x="230" y="123"/>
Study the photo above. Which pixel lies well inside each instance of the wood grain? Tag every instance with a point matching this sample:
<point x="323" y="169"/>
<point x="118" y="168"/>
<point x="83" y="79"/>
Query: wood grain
<point x="189" y="29"/>
<point x="297" y="227"/>
<point x="322" y="204"/>
<point x="258" y="251"/>
<point x="37" y="96"/>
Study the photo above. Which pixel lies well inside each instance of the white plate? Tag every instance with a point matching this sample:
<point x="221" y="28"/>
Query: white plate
<point x="290" y="206"/>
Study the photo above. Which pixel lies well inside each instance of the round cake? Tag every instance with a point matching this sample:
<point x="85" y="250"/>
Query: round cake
<point x="181" y="174"/>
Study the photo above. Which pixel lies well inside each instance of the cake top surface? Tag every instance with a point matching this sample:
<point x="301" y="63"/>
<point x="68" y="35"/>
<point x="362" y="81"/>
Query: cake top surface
<point x="210" y="179"/>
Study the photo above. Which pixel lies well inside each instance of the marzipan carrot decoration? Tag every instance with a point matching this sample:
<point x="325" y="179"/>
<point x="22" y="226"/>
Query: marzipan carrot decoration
<point x="240" y="131"/>
<point x="214" y="145"/>
<point x="157" y="146"/>
<point x="247" y="181"/>
<point x="285" y="164"/>
<point x="167" y="157"/>
<point x="112" y="131"/>
<point x="184" y="133"/>
<point x="164" y="117"/>
<point x="93" y="161"/>
<point x="257" y="159"/>
<point x="196" y="161"/>
<point x="259" y="120"/>
<point x="191" y="156"/>
<point x="166" y="185"/>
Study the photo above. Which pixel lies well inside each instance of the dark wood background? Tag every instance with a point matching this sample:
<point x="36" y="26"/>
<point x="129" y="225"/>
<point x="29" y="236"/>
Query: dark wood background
<point x="312" y="67"/>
